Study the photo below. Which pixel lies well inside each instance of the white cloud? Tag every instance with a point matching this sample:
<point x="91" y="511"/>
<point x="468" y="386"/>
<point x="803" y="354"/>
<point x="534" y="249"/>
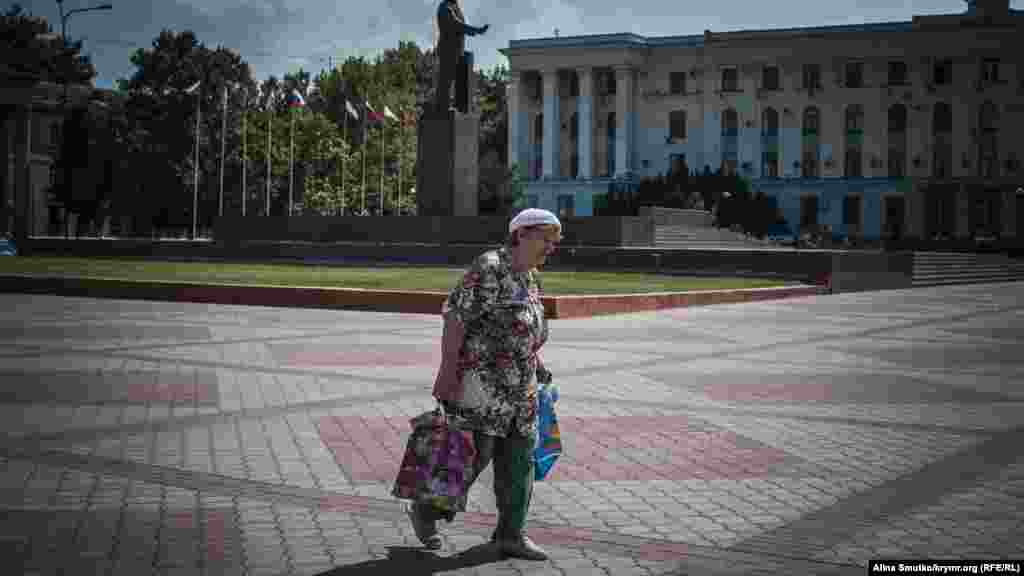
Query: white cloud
<point x="268" y="33"/>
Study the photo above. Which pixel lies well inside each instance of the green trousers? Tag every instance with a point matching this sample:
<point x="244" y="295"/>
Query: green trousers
<point x="513" y="480"/>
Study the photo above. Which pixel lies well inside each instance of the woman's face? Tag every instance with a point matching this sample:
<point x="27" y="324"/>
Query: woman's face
<point x="539" y="242"/>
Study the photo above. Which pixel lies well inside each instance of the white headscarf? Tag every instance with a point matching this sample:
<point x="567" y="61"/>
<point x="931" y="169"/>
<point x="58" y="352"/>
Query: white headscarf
<point x="533" y="217"/>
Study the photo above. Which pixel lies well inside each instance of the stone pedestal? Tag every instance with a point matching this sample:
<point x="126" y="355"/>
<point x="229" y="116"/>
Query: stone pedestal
<point x="447" y="170"/>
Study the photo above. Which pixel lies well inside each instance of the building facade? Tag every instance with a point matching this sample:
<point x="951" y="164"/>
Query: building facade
<point x="879" y="130"/>
<point x="32" y="118"/>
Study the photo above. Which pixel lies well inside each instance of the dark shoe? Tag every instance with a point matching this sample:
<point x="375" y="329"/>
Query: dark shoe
<point x="426" y="530"/>
<point x="524" y="548"/>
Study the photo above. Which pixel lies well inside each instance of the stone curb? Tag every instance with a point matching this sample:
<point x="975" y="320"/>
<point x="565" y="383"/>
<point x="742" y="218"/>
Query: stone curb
<point x="400" y="301"/>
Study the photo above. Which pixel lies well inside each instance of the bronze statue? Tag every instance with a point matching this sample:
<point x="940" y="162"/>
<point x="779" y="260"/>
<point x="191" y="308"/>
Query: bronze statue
<point x="450" y="50"/>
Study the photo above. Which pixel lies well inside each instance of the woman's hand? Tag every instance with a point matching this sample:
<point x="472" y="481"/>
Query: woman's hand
<point x="446" y="384"/>
<point x="543" y="375"/>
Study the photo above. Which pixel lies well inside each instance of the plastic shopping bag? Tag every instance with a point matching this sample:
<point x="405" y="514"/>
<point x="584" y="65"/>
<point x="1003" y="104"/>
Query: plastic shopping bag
<point x="437" y="464"/>
<point x="549" y="440"/>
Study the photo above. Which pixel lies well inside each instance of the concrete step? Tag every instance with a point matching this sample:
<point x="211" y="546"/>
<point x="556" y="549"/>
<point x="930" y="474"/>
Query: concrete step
<point x="967" y="273"/>
<point x="945" y="279"/>
<point x="916" y="271"/>
<point x="951" y="281"/>
<point x="997" y="267"/>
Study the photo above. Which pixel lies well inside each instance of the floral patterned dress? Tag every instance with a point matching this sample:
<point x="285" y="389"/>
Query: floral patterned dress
<point x="505" y="327"/>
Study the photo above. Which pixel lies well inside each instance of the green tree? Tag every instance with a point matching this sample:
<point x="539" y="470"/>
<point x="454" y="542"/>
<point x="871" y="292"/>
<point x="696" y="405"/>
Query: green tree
<point x="157" y="90"/>
<point x="29" y="46"/>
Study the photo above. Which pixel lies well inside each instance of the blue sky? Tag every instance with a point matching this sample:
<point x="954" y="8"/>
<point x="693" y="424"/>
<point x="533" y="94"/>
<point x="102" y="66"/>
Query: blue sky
<point x="278" y="36"/>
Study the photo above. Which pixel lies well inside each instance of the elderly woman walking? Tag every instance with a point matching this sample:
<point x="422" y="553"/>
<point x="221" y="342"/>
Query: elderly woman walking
<point x="494" y="326"/>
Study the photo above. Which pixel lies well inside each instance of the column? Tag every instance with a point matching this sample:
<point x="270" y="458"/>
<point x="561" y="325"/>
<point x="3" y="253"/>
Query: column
<point x="5" y="176"/>
<point x="1009" y="215"/>
<point x="963" y="208"/>
<point x="22" y="175"/>
<point x="552" y="125"/>
<point x="585" y="113"/>
<point x="624" y="120"/>
<point x="514" y="132"/>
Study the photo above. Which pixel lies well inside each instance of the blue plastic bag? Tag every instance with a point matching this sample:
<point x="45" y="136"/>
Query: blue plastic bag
<point x="549" y="439"/>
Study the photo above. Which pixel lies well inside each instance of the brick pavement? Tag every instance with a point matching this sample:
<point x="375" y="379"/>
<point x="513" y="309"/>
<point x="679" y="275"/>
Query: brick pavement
<point x="793" y="436"/>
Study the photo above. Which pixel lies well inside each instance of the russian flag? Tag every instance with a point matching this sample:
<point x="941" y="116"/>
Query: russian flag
<point x="295" y="100"/>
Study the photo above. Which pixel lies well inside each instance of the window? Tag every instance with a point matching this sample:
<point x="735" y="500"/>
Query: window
<point x="854" y="74"/>
<point x="809" y="163"/>
<point x="54" y="136"/>
<point x="942" y="72"/>
<point x="897" y="118"/>
<point x="770" y="122"/>
<point x="897" y="150"/>
<point x="854" y="133"/>
<point x="812" y="76"/>
<point x="677" y="164"/>
<point x="730" y="123"/>
<point x="811" y="121"/>
<point x="990" y="71"/>
<point x="851" y="211"/>
<point x="854" y="119"/>
<point x="565" y="205"/>
<point x="942" y="128"/>
<point x="677" y="82"/>
<point x="988" y="141"/>
<point x="609" y="82"/>
<point x="770" y="78"/>
<point x="730" y="79"/>
<point x="853" y="166"/>
<point x="897" y="73"/>
<point x="610" y="134"/>
<point x="808" y="212"/>
<point x="942" y="117"/>
<point x="771" y="165"/>
<point x="989" y="117"/>
<point x="531" y="200"/>
<point x="770" y="137"/>
<point x="897" y="163"/>
<point x="730" y="141"/>
<point x="677" y="124"/>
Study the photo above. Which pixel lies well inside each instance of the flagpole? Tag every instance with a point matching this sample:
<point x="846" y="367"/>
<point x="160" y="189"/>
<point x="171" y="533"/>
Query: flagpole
<point x="381" y="167"/>
<point x="223" y="148"/>
<point x="291" y="162"/>
<point x="270" y="125"/>
<point x="195" y="176"/>
<point x="401" y="130"/>
<point x="365" y="119"/>
<point x="344" y="140"/>
<point x="245" y="111"/>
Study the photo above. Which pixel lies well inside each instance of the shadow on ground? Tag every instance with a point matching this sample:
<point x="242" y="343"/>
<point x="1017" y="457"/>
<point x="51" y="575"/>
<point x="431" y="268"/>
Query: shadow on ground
<point x="416" y="561"/>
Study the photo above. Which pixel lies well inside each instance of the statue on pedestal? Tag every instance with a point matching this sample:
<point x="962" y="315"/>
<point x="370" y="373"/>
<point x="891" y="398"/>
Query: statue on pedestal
<point x="450" y="51"/>
<point x="448" y="134"/>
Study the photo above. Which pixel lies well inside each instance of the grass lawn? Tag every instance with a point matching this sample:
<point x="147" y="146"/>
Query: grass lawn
<point x="390" y="278"/>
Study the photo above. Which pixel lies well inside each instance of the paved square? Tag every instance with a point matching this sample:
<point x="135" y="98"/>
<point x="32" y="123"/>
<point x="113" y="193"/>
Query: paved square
<point x="801" y="436"/>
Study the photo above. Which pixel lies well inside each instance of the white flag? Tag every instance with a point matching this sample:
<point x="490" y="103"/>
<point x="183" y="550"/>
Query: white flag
<point x="389" y="114"/>
<point x="351" y="110"/>
<point x="192" y="89"/>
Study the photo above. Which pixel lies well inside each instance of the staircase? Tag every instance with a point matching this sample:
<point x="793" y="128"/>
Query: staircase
<point x="940" y="268"/>
<point x="677" y="236"/>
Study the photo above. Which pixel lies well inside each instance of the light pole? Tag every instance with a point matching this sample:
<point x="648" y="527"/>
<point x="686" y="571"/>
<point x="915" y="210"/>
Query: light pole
<point x="64" y="26"/>
<point x="64" y="16"/>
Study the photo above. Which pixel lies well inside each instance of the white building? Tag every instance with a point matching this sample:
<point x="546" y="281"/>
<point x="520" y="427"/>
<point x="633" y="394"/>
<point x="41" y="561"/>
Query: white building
<point x="909" y="128"/>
